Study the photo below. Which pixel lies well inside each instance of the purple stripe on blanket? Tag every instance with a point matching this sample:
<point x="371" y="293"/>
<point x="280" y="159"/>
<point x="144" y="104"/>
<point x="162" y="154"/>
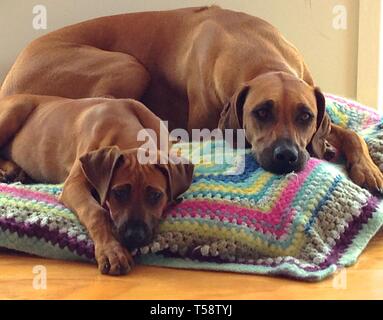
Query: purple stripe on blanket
<point x="353" y="229"/>
<point x="82" y="248"/>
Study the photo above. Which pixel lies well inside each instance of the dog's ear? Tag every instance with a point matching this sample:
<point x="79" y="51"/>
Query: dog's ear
<point x="318" y="146"/>
<point x="179" y="177"/>
<point x="98" y="167"/>
<point x="232" y="113"/>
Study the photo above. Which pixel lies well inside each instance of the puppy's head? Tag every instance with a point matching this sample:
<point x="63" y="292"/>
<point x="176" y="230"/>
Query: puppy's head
<point x="134" y="194"/>
<point x="284" y="119"/>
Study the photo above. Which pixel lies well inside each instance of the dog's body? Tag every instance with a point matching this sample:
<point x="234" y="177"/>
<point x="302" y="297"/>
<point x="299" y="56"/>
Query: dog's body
<point x="186" y="65"/>
<point x="58" y="131"/>
<point x="183" y="64"/>
<point x="92" y="146"/>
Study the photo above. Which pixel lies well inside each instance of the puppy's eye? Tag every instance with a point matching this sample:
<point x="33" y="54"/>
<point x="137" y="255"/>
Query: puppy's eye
<point x="154" y="196"/>
<point x="122" y="193"/>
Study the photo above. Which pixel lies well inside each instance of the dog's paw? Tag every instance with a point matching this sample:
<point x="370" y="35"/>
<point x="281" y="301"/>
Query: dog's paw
<point x="367" y="175"/>
<point x="3" y="176"/>
<point x="114" y="259"/>
<point x="14" y="175"/>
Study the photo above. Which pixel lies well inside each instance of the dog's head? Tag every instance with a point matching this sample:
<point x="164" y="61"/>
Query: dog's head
<point x="135" y="194"/>
<point x="284" y="119"/>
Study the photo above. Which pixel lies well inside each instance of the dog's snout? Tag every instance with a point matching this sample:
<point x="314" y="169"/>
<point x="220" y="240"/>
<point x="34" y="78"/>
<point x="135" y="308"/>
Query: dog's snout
<point x="137" y="235"/>
<point x="284" y="157"/>
<point x="285" y="154"/>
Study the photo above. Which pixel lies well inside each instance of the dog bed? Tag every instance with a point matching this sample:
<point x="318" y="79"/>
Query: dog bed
<point x="235" y="217"/>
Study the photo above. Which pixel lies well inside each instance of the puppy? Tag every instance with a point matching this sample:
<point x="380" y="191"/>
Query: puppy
<point x="92" y="146"/>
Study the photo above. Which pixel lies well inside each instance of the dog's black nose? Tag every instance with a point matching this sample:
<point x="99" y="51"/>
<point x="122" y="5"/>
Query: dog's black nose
<point x="137" y="235"/>
<point x="285" y="157"/>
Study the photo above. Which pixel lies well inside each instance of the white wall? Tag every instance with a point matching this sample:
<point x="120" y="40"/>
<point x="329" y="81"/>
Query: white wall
<point x="331" y="54"/>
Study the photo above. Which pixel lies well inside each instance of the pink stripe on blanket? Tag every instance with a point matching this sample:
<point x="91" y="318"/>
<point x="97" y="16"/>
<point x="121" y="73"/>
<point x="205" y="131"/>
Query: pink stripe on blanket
<point x="28" y="194"/>
<point x="374" y="116"/>
<point x="262" y="221"/>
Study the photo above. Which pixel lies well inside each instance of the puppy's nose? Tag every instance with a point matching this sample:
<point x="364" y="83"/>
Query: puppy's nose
<point x="137" y="235"/>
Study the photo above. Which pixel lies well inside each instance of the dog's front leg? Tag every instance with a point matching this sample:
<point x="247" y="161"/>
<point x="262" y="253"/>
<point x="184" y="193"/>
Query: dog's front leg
<point x="111" y="256"/>
<point x="362" y="169"/>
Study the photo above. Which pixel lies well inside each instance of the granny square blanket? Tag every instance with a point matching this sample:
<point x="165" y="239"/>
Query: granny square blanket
<point x="235" y="217"/>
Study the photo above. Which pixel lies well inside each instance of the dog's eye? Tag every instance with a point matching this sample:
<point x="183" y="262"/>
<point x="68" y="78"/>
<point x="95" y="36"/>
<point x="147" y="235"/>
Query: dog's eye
<point x="262" y="114"/>
<point x="122" y="193"/>
<point x="154" y="196"/>
<point x="263" y="111"/>
<point x="305" y="117"/>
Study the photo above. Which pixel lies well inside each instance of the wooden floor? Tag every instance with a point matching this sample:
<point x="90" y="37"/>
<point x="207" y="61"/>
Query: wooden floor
<point x="66" y="280"/>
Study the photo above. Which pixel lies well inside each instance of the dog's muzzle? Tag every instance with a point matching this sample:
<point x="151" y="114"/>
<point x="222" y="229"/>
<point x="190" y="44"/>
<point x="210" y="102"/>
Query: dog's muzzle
<point x="136" y="235"/>
<point x="283" y="157"/>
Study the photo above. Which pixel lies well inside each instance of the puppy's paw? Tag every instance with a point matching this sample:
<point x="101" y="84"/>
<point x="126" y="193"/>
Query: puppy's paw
<point x="114" y="259"/>
<point x="367" y="175"/>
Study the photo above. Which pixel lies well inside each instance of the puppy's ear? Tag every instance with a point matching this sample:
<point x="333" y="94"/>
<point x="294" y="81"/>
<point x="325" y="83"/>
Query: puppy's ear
<point x="179" y="177"/>
<point x="232" y="113"/>
<point x="98" y="167"/>
<point x="319" y="147"/>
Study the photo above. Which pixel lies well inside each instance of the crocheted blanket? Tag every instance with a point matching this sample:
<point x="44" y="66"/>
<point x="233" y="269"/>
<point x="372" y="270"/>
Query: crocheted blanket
<point x="235" y="216"/>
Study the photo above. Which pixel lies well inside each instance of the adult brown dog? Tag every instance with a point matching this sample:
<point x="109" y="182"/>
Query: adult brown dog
<point x="186" y="65"/>
<point x="91" y="144"/>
